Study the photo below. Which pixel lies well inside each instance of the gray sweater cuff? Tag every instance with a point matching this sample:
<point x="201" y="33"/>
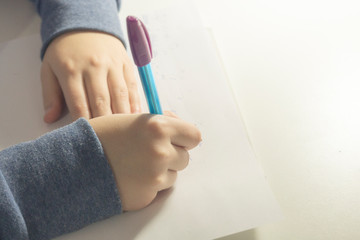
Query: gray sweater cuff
<point x="61" y="182"/>
<point x="60" y="16"/>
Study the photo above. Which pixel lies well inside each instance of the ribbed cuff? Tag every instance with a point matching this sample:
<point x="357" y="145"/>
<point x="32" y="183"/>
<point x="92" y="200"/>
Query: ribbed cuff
<point x="62" y="181"/>
<point x="60" y="16"/>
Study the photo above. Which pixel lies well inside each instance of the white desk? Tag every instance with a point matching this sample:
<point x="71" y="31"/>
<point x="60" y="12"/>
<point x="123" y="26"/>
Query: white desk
<point x="294" y="68"/>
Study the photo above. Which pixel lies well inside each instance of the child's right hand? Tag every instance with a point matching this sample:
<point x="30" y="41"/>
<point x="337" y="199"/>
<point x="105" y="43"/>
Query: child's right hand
<point x="145" y="152"/>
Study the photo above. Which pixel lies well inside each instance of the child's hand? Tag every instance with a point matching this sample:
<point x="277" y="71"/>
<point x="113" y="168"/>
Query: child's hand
<point x="145" y="152"/>
<point x="92" y="72"/>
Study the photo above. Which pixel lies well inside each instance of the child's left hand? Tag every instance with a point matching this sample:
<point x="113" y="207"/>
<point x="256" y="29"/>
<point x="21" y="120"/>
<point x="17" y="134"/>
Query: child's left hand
<point x="92" y="73"/>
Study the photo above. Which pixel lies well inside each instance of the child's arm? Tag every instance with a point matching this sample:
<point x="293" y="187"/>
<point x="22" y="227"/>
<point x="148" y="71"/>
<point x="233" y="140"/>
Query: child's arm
<point x="85" y="65"/>
<point x="68" y="179"/>
<point x="56" y="184"/>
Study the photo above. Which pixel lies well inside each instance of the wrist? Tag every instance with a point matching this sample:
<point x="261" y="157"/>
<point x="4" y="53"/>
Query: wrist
<point x="59" y="17"/>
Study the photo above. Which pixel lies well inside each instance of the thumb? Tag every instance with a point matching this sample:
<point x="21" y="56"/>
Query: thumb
<point x="53" y="98"/>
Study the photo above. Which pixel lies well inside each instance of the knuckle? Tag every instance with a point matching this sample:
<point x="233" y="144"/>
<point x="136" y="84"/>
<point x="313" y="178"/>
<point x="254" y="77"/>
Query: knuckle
<point x="123" y="93"/>
<point x="79" y="109"/>
<point x="160" y="153"/>
<point x="97" y="61"/>
<point x="69" y="66"/>
<point x="132" y="84"/>
<point x="157" y="180"/>
<point x="157" y="126"/>
<point x="101" y="102"/>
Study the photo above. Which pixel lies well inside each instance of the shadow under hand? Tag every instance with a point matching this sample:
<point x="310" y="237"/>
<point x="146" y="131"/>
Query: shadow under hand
<point x="246" y="235"/>
<point x="18" y="18"/>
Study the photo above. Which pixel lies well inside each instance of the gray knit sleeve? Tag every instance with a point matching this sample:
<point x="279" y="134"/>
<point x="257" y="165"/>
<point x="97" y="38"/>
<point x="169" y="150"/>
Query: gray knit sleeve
<point x="55" y="184"/>
<point x="60" y="16"/>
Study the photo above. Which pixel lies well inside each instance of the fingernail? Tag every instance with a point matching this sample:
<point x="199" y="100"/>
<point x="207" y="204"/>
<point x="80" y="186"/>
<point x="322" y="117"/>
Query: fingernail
<point x="46" y="117"/>
<point x="48" y="108"/>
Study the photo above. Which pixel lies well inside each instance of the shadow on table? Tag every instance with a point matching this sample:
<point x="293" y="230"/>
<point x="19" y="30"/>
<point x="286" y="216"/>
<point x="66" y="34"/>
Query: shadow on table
<point x="125" y="226"/>
<point x="16" y="16"/>
<point x="246" y="235"/>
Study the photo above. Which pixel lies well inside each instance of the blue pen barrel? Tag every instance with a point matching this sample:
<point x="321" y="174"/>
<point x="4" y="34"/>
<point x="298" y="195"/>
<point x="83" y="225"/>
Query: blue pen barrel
<point x="148" y="83"/>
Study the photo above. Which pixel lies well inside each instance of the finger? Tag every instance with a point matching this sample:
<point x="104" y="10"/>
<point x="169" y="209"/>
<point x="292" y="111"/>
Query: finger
<point x="184" y="134"/>
<point x="53" y="99"/>
<point x="75" y="97"/>
<point x="180" y="159"/>
<point x="118" y="92"/>
<point x="132" y="86"/>
<point x="171" y="114"/>
<point x="97" y="92"/>
<point x="169" y="179"/>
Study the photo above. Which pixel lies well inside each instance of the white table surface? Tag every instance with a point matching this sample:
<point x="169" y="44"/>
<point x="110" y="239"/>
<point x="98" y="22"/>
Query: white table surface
<point x="294" y="67"/>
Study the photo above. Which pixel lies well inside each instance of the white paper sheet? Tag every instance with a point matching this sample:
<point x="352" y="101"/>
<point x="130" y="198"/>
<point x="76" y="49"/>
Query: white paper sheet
<point x="223" y="190"/>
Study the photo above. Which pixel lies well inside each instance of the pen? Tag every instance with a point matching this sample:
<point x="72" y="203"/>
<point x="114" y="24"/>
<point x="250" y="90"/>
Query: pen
<point x="142" y="53"/>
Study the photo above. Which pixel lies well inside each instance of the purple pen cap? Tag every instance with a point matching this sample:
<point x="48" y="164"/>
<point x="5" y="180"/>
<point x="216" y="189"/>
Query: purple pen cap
<point x="139" y="41"/>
